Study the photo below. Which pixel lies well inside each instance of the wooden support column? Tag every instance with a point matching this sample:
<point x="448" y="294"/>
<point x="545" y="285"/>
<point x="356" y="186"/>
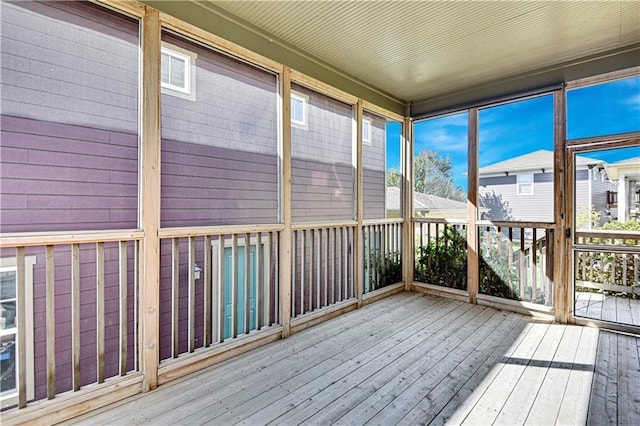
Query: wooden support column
<point x="562" y="204"/>
<point x="358" y="248"/>
<point x="284" y="252"/>
<point x="473" y="247"/>
<point x="408" y="253"/>
<point x="150" y="200"/>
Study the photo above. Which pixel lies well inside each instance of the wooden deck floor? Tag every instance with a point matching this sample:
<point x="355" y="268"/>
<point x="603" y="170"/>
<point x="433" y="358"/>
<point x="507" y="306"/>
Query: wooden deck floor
<point x="608" y="308"/>
<point x="410" y="359"/>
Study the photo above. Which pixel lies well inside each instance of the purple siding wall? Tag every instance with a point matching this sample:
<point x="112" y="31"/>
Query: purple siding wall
<point x="373" y="157"/>
<point x="321" y="167"/>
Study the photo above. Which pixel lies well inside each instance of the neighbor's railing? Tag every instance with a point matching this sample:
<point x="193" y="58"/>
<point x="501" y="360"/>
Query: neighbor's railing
<point x="382" y="253"/>
<point x="608" y="261"/>
<point x="322" y="266"/>
<point x="216" y="284"/>
<point x="516" y="261"/>
<point x="81" y="292"/>
<point x="440" y="252"/>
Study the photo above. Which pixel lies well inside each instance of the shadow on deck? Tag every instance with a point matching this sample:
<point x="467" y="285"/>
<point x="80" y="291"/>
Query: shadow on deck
<point x="410" y="359"/>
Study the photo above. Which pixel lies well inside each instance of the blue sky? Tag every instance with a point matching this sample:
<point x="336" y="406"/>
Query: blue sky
<point x="517" y="128"/>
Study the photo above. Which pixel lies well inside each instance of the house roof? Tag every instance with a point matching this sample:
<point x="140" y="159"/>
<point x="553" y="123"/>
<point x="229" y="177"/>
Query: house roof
<point x="423" y="202"/>
<point x="630" y="167"/>
<point x="537" y="160"/>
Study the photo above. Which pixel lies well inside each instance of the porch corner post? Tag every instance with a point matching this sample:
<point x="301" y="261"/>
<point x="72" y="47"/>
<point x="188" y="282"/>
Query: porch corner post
<point x="407" y="204"/>
<point x="285" y="256"/>
<point x="359" y="187"/>
<point x="562" y="209"/>
<point x="150" y="200"/>
<point x="473" y="254"/>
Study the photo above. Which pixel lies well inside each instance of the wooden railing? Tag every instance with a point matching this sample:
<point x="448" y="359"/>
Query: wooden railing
<point x="382" y="258"/>
<point x="322" y="266"/>
<point x="516" y="261"/>
<point x="216" y="284"/>
<point x="80" y="291"/>
<point x="608" y="261"/>
<point x="441" y="252"/>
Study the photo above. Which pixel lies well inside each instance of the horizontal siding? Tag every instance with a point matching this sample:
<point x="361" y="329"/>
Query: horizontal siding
<point x="499" y="194"/>
<point x="57" y="177"/>
<point x="70" y="62"/>
<point x="235" y="105"/>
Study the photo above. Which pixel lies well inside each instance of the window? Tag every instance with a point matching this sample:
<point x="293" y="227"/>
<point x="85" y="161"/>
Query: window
<point x="366" y="131"/>
<point x="525" y="184"/>
<point x="9" y="330"/>
<point x="178" y="71"/>
<point x="299" y="103"/>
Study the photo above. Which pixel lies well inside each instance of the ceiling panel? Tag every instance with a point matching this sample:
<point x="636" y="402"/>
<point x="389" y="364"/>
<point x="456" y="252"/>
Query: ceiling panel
<point x="420" y="49"/>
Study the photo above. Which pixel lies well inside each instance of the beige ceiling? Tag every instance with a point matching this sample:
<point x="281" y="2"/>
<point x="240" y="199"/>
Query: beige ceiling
<point x="415" y="50"/>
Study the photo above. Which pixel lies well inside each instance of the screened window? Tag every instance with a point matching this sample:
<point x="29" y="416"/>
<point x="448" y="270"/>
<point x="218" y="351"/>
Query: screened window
<point x="178" y="71"/>
<point x="366" y="131"/>
<point x="299" y="108"/>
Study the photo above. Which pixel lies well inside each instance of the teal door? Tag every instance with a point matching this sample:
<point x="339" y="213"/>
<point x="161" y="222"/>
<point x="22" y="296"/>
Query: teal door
<point x="240" y="303"/>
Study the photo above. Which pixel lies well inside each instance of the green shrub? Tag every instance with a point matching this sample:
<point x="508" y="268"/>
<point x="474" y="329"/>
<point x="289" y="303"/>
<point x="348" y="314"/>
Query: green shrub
<point x="384" y="270"/>
<point x="443" y="261"/>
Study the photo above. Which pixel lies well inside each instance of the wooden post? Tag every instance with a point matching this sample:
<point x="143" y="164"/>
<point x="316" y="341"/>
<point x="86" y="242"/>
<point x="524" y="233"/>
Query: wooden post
<point x="562" y="204"/>
<point x="358" y="248"/>
<point x="408" y="256"/>
<point x="284" y="252"/>
<point x="150" y="200"/>
<point x="473" y="257"/>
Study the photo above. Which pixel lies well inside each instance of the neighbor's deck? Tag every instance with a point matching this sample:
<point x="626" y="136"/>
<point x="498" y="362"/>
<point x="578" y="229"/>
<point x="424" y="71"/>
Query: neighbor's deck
<point x="410" y="359"/>
<point x="608" y="308"/>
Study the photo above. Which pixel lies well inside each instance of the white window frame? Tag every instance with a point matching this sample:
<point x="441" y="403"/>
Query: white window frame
<point x="189" y="59"/>
<point x="366" y="135"/>
<point x="304" y="99"/>
<point x="519" y="182"/>
<point x="9" y="264"/>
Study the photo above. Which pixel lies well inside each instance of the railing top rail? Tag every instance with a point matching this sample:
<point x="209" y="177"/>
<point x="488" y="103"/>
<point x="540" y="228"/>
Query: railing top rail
<point x="508" y="224"/>
<point x="382" y="221"/>
<point x="30" y="239"/>
<point x="317" y="225"/>
<point x="609" y="234"/>
<point x="603" y="248"/>
<point x="200" y="231"/>
<point x="440" y="220"/>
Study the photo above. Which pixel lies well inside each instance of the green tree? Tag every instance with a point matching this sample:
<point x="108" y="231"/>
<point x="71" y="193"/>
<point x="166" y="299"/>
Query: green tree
<point x="433" y="174"/>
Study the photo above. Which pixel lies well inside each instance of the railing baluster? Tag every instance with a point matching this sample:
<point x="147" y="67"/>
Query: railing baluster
<point x="312" y="248"/>
<point x="521" y="262"/>
<point x="191" y="295"/>
<point x="259" y="299"/>
<point x="221" y="305"/>
<point x="75" y="314"/>
<point x="234" y="285"/>
<point x="332" y="249"/>
<point x="51" y="322"/>
<point x="272" y="255"/>
<point x="21" y="327"/>
<point x="345" y="241"/>
<point x="100" y="312"/>
<point x="303" y="264"/>
<point x="534" y="265"/>
<point x="318" y="266"/>
<point x="175" y="294"/>
<point x="123" y="290"/>
<point x="294" y="277"/>
<point x="339" y="259"/>
<point x="325" y="246"/>
<point x="247" y="288"/>
<point x="209" y="296"/>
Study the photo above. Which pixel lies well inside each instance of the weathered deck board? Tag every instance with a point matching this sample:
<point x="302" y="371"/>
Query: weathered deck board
<point x="410" y="359"/>
<point x="607" y="308"/>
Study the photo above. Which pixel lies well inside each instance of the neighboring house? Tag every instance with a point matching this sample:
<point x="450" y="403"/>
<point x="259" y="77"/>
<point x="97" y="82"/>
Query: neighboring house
<point x="521" y="188"/>
<point x="426" y="205"/>
<point x="625" y="199"/>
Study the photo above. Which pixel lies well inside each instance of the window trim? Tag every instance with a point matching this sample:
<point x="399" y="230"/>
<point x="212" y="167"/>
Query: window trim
<point x="189" y="59"/>
<point x="7" y="264"/>
<point x="518" y="183"/>
<point x="305" y="110"/>
<point x="366" y="136"/>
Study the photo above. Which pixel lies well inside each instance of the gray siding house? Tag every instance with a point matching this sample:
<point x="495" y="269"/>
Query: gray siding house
<point x="521" y="188"/>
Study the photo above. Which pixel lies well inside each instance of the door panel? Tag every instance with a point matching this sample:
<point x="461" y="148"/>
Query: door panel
<point x="240" y="303"/>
